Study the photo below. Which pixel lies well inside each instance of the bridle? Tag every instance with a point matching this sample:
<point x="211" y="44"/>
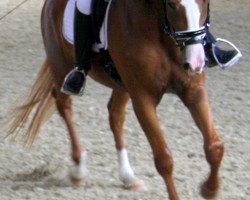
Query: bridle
<point x="183" y="38"/>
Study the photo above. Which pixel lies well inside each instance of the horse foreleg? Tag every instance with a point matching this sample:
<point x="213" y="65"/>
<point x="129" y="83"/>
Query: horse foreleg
<point x="196" y="100"/>
<point x="116" y="108"/>
<point x="145" y="109"/>
<point x="79" y="170"/>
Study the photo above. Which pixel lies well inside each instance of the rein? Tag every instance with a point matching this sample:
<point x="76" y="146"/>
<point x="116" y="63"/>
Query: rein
<point x="182" y="38"/>
<point x="12" y="10"/>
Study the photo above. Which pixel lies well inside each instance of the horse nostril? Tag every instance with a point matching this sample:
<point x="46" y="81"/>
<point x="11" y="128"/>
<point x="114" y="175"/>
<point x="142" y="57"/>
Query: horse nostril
<point x="186" y="66"/>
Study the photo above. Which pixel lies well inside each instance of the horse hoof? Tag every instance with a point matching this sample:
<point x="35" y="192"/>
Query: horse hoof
<point x="79" y="171"/>
<point x="208" y="193"/>
<point x="76" y="182"/>
<point x="77" y="175"/>
<point x="137" y="186"/>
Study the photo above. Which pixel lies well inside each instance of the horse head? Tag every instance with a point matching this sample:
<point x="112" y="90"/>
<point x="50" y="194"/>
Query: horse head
<point x="186" y="19"/>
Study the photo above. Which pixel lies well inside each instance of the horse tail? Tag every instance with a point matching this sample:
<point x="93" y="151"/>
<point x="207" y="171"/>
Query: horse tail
<point x="40" y="100"/>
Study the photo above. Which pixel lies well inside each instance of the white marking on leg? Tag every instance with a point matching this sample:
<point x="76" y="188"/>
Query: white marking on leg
<point x="125" y="171"/>
<point x="80" y="171"/>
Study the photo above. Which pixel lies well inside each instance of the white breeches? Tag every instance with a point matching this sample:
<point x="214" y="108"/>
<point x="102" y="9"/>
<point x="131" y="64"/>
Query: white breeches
<point x="84" y="6"/>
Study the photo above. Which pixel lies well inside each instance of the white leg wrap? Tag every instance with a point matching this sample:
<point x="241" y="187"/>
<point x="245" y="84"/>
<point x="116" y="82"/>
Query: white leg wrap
<point x="80" y="171"/>
<point x="125" y="171"/>
<point x="84" y="6"/>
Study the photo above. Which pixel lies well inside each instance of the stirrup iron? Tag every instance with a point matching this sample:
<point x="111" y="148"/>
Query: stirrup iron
<point x="233" y="60"/>
<point x="66" y="91"/>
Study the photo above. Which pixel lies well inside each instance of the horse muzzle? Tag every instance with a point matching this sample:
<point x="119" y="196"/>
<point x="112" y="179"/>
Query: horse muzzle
<point x="194" y="58"/>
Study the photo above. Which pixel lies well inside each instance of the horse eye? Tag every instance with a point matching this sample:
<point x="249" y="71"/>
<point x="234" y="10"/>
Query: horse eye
<point x="172" y="5"/>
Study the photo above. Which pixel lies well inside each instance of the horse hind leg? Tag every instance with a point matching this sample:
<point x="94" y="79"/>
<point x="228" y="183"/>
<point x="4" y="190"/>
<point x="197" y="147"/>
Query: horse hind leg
<point x="116" y="108"/>
<point x="64" y="105"/>
<point x="196" y="101"/>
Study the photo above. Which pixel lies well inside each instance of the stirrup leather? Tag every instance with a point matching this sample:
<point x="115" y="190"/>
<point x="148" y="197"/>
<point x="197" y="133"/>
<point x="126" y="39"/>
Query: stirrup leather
<point x="231" y="62"/>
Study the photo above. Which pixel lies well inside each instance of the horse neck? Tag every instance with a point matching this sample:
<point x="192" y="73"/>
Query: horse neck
<point x="155" y="12"/>
<point x="139" y="23"/>
<point x="140" y="17"/>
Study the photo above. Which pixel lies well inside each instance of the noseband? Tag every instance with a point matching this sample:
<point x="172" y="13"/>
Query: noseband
<point x="184" y="38"/>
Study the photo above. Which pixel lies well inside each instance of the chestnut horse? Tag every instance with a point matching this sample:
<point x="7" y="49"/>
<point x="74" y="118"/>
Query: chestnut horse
<point x="168" y="34"/>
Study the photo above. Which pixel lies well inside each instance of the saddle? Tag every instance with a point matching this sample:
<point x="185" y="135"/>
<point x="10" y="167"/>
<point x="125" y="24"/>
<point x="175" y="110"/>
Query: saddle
<point x="99" y="24"/>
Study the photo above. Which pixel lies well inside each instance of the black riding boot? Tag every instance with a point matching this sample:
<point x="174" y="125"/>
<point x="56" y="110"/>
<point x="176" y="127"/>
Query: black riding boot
<point x="74" y="82"/>
<point x="217" y="56"/>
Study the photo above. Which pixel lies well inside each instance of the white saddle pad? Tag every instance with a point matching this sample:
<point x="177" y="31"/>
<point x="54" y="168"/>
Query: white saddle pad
<point x="68" y="26"/>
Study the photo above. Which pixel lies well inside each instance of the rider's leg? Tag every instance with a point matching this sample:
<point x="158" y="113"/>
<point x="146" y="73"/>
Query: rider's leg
<point x="226" y="58"/>
<point x="75" y="80"/>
